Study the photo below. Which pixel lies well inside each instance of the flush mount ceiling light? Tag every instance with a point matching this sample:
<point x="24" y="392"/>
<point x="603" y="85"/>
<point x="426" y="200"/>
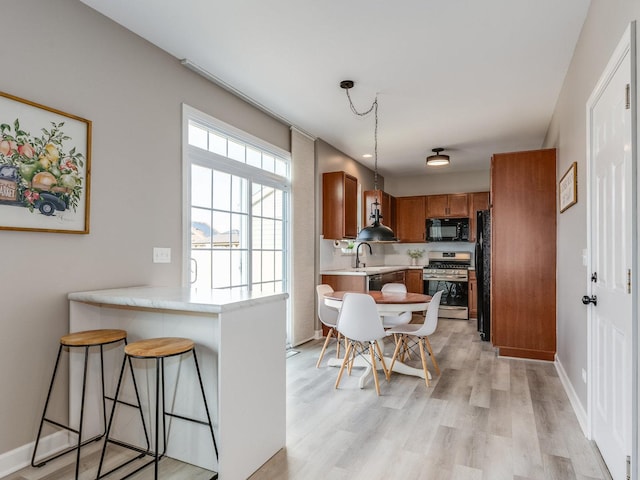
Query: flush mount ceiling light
<point x="376" y="232"/>
<point x="438" y="159"/>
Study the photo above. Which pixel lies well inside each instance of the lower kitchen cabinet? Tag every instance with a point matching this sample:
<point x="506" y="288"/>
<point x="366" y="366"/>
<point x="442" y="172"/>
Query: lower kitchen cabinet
<point x="352" y="283"/>
<point x="473" y="294"/>
<point x="414" y="280"/>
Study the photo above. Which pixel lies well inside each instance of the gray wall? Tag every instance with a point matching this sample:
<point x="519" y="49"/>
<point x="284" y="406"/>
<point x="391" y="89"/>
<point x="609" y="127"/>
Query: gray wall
<point x="434" y="184"/>
<point x="62" y="54"/>
<point x="603" y="29"/>
<point x="330" y="159"/>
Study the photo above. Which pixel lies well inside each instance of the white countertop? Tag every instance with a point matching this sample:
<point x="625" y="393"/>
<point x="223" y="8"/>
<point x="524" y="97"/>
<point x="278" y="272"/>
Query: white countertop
<point x="177" y="298"/>
<point x="371" y="270"/>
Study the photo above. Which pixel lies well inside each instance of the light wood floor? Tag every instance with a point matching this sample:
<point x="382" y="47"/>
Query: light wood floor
<point x="64" y="468"/>
<point x="485" y="418"/>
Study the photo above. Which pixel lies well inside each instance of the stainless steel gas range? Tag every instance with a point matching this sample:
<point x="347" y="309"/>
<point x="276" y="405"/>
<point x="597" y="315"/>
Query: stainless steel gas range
<point x="449" y="271"/>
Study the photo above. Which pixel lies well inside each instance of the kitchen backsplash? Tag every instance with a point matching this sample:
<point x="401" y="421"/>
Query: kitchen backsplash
<point x="333" y="258"/>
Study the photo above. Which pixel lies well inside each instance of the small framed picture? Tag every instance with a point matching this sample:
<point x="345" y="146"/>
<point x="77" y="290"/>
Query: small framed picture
<point x="45" y="165"/>
<point x="568" y="188"/>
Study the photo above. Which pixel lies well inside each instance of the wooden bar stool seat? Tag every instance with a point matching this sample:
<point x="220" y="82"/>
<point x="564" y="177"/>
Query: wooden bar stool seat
<point x="84" y="339"/>
<point x="157" y="349"/>
<point x="92" y="338"/>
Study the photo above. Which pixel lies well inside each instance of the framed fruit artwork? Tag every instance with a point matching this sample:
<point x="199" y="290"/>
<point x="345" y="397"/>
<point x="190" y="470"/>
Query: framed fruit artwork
<point x="45" y="168"/>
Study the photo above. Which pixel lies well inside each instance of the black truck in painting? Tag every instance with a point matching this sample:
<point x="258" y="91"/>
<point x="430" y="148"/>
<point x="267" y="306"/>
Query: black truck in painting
<point x="44" y="198"/>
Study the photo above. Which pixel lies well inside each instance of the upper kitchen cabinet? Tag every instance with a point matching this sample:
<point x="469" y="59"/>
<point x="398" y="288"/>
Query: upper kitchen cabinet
<point x="339" y="205"/>
<point x="523" y="262"/>
<point x="451" y="205"/>
<point x="387" y="208"/>
<point x="410" y="219"/>
<point x="477" y="201"/>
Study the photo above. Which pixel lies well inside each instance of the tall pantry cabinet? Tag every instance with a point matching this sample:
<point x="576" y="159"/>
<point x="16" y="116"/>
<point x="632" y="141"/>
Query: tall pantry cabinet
<point x="523" y="254"/>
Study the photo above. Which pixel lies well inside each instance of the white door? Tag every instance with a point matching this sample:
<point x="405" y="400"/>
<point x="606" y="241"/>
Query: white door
<point x="610" y="228"/>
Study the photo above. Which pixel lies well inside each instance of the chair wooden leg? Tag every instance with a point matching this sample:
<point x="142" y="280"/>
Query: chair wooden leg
<point x="395" y="353"/>
<point x="433" y="357"/>
<point x="387" y="373"/>
<point x="424" y="362"/>
<point x="406" y="349"/>
<point x="324" y="347"/>
<point x="373" y="368"/>
<point x="344" y="362"/>
<point x="339" y="337"/>
<point x="354" y="352"/>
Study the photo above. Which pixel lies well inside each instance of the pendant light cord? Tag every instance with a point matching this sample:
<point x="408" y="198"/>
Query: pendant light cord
<point x="374" y="108"/>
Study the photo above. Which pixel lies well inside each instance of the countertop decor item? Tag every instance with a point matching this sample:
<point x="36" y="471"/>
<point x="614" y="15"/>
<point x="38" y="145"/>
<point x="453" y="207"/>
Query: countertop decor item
<point x="349" y="249"/>
<point x="415" y="255"/>
<point x="44" y="168"/>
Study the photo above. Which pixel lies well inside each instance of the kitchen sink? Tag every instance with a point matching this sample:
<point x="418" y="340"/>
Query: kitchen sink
<point x="370" y="270"/>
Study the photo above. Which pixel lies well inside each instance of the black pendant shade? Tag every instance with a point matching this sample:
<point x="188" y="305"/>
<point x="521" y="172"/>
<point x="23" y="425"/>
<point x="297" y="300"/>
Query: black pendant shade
<point x="376" y="232"/>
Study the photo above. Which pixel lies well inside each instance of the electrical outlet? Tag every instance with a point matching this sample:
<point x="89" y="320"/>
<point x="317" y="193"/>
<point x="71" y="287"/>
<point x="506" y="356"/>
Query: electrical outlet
<point x="161" y="255"/>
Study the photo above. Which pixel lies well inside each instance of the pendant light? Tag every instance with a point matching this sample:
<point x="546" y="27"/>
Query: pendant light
<point x="438" y="159"/>
<point x="376" y="232"/>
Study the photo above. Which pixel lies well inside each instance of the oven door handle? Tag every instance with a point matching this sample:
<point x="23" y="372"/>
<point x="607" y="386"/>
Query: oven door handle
<point x="445" y="278"/>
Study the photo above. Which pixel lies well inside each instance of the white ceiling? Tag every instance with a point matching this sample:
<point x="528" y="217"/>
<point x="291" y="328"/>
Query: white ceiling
<point x="474" y="77"/>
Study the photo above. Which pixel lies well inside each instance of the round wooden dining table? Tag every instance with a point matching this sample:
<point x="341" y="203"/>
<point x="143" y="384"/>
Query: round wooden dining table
<point x="386" y="302"/>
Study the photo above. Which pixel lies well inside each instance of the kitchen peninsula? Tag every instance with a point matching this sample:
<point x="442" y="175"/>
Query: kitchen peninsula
<point x="240" y="341"/>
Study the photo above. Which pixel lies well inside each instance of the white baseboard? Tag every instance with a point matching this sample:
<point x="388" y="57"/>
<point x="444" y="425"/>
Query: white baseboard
<point x="20" y="457"/>
<point x="580" y="412"/>
<point x="317" y="335"/>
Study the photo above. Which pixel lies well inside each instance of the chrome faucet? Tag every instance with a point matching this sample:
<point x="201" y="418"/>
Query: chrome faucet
<point x="358" y="252"/>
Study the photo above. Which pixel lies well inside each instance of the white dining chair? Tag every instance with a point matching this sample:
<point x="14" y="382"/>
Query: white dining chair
<point x="359" y="322"/>
<point x="328" y="316"/>
<point x="390" y="321"/>
<point x="420" y="334"/>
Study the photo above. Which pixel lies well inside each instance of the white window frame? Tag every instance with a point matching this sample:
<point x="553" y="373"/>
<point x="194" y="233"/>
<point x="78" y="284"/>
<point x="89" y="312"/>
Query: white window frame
<point x="222" y="163"/>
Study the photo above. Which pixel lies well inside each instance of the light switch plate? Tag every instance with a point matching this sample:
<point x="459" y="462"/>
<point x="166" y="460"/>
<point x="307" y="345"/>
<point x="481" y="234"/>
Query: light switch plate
<point x="161" y="255"/>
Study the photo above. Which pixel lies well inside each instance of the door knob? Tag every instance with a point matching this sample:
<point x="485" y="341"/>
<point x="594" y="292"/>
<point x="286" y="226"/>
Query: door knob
<point x="590" y="299"/>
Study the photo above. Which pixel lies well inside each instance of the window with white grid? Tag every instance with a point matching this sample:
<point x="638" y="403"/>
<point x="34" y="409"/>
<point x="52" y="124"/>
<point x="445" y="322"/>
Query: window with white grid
<point x="237" y="206"/>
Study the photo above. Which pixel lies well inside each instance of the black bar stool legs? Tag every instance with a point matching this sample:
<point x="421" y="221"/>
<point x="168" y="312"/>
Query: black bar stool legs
<point x="83" y="340"/>
<point x="157" y="349"/>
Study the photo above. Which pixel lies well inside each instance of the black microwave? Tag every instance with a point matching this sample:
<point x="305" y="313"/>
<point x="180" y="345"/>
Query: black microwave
<point x="447" y="230"/>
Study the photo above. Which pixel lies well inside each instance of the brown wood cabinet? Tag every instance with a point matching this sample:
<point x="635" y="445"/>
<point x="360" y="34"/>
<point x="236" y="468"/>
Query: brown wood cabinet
<point x="450" y="205"/>
<point x="339" y="205"/>
<point x="473" y="294"/>
<point x="387" y="208"/>
<point x="523" y="263"/>
<point x="477" y="201"/>
<point x="410" y="219"/>
<point x="413" y="280"/>
<point x="352" y="283"/>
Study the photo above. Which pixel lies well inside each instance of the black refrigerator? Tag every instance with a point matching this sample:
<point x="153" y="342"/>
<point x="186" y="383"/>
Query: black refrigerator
<point x="483" y="272"/>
